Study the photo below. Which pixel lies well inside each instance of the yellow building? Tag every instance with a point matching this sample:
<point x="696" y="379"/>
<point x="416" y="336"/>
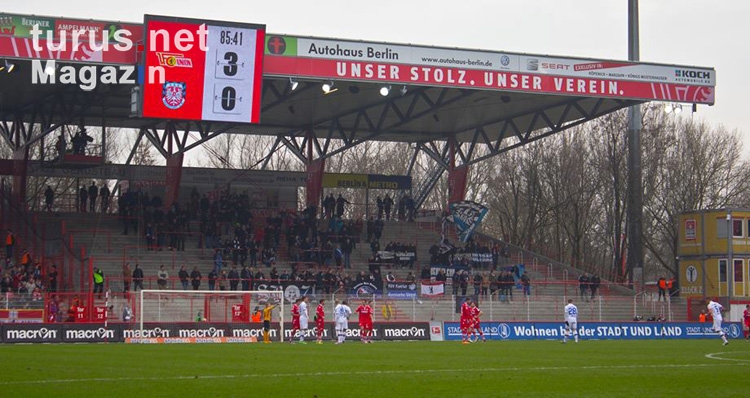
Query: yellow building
<point x="710" y="264"/>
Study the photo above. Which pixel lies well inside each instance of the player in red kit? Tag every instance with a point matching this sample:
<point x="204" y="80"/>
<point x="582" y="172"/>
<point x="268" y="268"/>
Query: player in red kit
<point x="365" y="321"/>
<point x="295" y="320"/>
<point x="746" y="317"/>
<point x="465" y="321"/>
<point x="320" y="320"/>
<point x="476" y="324"/>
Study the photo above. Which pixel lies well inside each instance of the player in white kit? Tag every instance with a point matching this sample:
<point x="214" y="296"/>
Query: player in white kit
<point x="341" y="314"/>
<point x="571" y="321"/>
<point x="715" y="309"/>
<point x="304" y="318"/>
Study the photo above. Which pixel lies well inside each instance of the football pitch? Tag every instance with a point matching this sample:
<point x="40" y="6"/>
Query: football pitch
<point x="674" y="368"/>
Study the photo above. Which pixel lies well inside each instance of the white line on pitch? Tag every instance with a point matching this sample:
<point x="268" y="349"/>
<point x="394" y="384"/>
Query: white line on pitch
<point x="715" y="355"/>
<point x="376" y="372"/>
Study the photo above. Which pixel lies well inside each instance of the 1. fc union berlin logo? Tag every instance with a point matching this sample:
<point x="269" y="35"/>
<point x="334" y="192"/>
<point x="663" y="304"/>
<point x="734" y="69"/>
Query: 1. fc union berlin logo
<point x="173" y="94"/>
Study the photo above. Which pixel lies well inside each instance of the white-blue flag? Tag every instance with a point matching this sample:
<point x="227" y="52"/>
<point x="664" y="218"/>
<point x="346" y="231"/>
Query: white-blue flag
<point x="467" y="216"/>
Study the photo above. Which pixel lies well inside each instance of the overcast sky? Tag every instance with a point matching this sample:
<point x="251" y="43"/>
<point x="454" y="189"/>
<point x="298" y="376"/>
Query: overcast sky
<point x="687" y="32"/>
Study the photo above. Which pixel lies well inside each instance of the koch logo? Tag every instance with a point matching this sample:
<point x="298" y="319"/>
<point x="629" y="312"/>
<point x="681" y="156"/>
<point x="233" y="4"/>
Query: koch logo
<point x="692" y="74"/>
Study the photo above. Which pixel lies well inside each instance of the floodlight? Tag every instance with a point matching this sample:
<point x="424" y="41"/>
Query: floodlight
<point x="673" y="108"/>
<point x="293" y="83"/>
<point x="385" y="90"/>
<point x="329" y="87"/>
<point x="9" y="66"/>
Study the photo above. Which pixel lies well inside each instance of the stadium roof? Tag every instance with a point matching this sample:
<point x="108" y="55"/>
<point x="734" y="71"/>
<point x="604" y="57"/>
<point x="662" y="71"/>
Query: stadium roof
<point x="435" y="93"/>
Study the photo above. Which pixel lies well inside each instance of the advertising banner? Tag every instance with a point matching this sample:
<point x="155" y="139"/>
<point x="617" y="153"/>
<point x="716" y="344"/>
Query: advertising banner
<point x="108" y="45"/>
<point x="356" y="181"/>
<point x="281" y="45"/>
<point x="364" y="181"/>
<point x="90" y="333"/>
<point x="31" y="333"/>
<point x="250" y="332"/>
<point x="404" y="331"/>
<point x="395" y="63"/>
<point x="324" y="58"/>
<point x="21" y="316"/>
<point x="597" y="331"/>
<point x="378" y="181"/>
<point x="436" y="331"/>
<point x="21" y="25"/>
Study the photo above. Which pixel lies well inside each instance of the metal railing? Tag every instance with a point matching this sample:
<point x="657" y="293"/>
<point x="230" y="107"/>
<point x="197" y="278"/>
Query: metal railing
<point x="419" y="308"/>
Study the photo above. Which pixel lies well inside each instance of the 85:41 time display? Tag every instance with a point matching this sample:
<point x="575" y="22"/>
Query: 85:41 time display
<point x="231" y="38"/>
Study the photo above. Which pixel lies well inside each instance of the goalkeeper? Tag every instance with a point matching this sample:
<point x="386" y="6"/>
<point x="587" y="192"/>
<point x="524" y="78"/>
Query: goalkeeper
<point x="267" y="312"/>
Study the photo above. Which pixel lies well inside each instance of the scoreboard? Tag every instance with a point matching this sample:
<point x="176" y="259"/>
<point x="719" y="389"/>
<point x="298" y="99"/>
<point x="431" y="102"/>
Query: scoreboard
<point x="202" y="70"/>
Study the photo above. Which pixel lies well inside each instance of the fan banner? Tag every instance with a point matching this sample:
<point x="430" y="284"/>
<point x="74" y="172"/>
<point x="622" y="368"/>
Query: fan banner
<point x="401" y="290"/>
<point x="467" y="216"/>
<point x="433" y="289"/>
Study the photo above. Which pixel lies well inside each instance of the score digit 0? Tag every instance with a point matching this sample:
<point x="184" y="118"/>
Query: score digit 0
<point x="228" y="98"/>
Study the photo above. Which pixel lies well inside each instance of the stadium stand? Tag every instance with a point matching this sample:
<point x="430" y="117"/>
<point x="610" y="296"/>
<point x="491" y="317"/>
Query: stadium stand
<point x="85" y="241"/>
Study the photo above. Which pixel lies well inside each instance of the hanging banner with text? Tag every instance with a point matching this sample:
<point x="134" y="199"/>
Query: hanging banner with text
<point x="97" y="41"/>
<point x="434" y="66"/>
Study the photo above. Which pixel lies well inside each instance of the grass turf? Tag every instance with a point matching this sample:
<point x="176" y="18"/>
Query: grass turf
<point x="675" y="368"/>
